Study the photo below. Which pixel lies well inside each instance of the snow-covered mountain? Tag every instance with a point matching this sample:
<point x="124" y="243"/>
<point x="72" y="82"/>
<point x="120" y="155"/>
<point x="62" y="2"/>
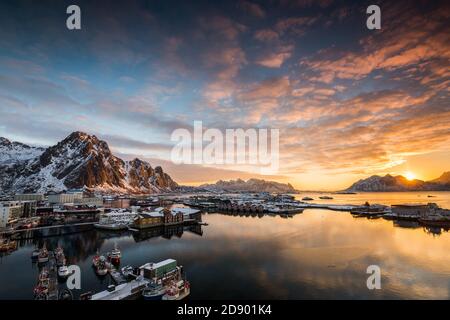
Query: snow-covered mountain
<point x="13" y="152"/>
<point x="78" y="161"/>
<point x="251" y="185"/>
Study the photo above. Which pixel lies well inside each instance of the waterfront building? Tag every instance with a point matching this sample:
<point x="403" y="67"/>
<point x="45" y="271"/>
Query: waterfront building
<point x="28" y="208"/>
<point x="89" y="201"/>
<point x="4" y="217"/>
<point x="159" y="217"/>
<point x="149" y="219"/>
<point x="10" y="211"/>
<point x="29" y="197"/>
<point x="172" y="217"/>
<point x="60" y="198"/>
<point x="158" y="270"/>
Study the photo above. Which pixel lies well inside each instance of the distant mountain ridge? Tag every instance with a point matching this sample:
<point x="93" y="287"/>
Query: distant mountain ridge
<point x="443" y="179"/>
<point x="251" y="185"/>
<point x="78" y="161"/>
<point x="400" y="183"/>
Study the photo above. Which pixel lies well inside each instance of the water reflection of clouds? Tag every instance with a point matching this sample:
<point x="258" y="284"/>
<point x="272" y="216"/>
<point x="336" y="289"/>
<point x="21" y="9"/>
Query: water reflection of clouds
<point x="331" y="251"/>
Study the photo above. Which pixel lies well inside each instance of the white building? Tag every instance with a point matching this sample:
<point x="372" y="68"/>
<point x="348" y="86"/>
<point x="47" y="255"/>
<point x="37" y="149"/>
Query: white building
<point x="9" y="211"/>
<point x="29" y="197"/>
<point x="90" y="201"/>
<point x="4" y="216"/>
<point x="61" y="198"/>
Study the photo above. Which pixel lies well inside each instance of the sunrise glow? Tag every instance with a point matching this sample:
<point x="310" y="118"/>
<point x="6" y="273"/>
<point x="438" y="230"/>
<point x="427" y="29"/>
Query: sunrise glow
<point x="410" y="175"/>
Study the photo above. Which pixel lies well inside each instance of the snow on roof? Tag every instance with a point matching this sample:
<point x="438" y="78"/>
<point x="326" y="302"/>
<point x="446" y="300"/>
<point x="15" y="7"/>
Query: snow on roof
<point x="185" y="211"/>
<point x="151" y="265"/>
<point x="151" y="214"/>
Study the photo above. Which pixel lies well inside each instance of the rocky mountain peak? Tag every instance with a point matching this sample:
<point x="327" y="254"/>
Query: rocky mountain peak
<point x="398" y="183"/>
<point x="4" y="142"/>
<point x="83" y="160"/>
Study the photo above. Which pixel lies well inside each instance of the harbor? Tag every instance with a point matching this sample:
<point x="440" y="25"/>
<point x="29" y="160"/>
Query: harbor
<point x="196" y="244"/>
<point x="152" y="281"/>
<point x="240" y="247"/>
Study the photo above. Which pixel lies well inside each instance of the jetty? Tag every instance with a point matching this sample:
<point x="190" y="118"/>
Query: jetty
<point x="125" y="291"/>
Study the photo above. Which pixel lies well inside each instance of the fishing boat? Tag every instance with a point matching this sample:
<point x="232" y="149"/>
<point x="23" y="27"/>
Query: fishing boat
<point x="111" y="225"/>
<point x="127" y="271"/>
<point x="326" y="198"/>
<point x="63" y="272"/>
<point x="60" y="257"/>
<point x="154" y="291"/>
<point x="43" y="255"/>
<point x="7" y="245"/>
<point x="40" y="291"/>
<point x="101" y="268"/>
<point x="35" y="254"/>
<point x="115" y="255"/>
<point x="307" y="199"/>
<point x="369" y="210"/>
<point x="177" y="291"/>
<point x="43" y="275"/>
<point x="95" y="259"/>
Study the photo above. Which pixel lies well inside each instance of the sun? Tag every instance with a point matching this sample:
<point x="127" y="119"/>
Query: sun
<point x="410" y="175"/>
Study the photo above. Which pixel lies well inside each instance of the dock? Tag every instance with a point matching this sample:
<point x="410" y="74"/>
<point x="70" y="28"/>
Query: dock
<point x="125" y="291"/>
<point x="333" y="207"/>
<point x="53" y="287"/>
<point x="117" y="277"/>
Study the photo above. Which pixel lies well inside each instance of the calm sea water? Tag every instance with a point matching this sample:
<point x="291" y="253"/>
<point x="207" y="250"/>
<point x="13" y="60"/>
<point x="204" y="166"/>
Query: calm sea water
<point x="319" y="254"/>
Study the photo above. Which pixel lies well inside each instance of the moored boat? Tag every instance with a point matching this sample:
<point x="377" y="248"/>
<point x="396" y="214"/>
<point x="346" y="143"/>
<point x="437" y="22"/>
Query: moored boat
<point x="154" y="291"/>
<point x="101" y="268"/>
<point x="43" y="255"/>
<point x="63" y="272"/>
<point x="177" y="291"/>
<point x="115" y="255"/>
<point x="35" y="254"/>
<point x="7" y="245"/>
<point x="60" y="257"/>
<point x="113" y="226"/>
<point x="40" y="291"/>
<point x="95" y="259"/>
<point x="127" y="271"/>
<point x="370" y="210"/>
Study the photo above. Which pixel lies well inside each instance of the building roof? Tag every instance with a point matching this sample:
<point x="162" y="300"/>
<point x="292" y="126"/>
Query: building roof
<point x="151" y="214"/>
<point x="151" y="266"/>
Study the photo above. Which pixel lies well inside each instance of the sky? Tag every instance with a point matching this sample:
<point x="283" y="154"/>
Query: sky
<point x="349" y="102"/>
